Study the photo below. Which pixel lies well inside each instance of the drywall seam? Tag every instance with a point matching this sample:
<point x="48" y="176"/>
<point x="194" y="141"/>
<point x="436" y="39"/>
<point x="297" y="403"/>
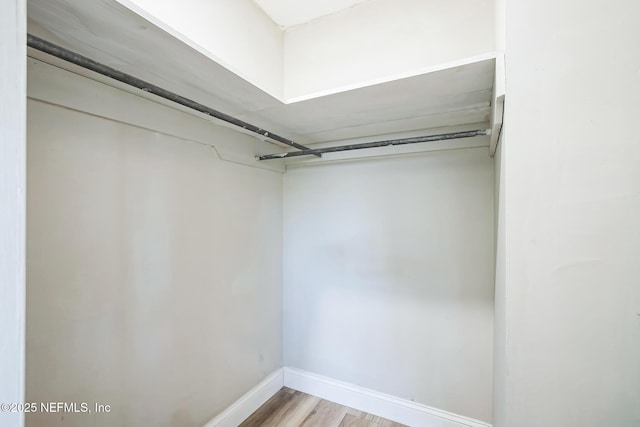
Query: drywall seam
<point x="83" y="102"/>
<point x="217" y="152"/>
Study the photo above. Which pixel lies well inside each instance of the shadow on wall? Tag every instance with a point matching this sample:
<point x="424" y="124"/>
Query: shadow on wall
<point x="389" y="276"/>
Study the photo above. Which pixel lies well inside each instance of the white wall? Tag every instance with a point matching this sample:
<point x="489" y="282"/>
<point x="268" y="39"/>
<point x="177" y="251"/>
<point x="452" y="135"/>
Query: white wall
<point x="235" y="32"/>
<point x="499" y="24"/>
<point x="389" y="276"/>
<point x="381" y="39"/>
<point x="572" y="165"/>
<point x="12" y="205"/>
<point x="154" y="267"/>
<point x="500" y="306"/>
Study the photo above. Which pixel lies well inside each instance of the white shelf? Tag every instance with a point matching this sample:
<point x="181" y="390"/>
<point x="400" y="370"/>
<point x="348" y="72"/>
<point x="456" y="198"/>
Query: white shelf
<point x="449" y="96"/>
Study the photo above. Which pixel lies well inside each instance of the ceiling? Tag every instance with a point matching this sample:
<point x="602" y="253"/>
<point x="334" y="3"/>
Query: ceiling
<point x="288" y="13"/>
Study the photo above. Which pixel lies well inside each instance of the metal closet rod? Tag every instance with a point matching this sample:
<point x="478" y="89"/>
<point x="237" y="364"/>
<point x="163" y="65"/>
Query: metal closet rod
<point x="105" y="70"/>
<point x="385" y="143"/>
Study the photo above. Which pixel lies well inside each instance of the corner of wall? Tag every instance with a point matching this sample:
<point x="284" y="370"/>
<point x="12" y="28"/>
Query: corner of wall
<point x="12" y="200"/>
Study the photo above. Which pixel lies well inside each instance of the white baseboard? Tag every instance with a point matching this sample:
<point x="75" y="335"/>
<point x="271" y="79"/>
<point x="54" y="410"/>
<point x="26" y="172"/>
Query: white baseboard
<point x="380" y="404"/>
<point x="247" y="404"/>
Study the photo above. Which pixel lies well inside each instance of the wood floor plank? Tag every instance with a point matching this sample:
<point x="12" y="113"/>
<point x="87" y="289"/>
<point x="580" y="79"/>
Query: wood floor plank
<point x="351" y="420"/>
<point x="262" y="414"/>
<point x="367" y="419"/>
<point x="325" y="414"/>
<point x="291" y="412"/>
<point x="298" y="409"/>
<point x="370" y="417"/>
<point x="291" y="408"/>
<point x="354" y="412"/>
<point x="277" y="415"/>
<point x="388" y="423"/>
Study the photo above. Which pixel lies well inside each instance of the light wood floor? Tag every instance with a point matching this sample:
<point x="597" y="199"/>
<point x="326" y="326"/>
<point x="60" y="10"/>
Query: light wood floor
<point x="291" y="408"/>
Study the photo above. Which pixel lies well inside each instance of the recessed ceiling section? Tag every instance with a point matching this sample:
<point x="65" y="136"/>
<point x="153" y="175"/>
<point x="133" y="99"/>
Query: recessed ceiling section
<point x="289" y="13"/>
